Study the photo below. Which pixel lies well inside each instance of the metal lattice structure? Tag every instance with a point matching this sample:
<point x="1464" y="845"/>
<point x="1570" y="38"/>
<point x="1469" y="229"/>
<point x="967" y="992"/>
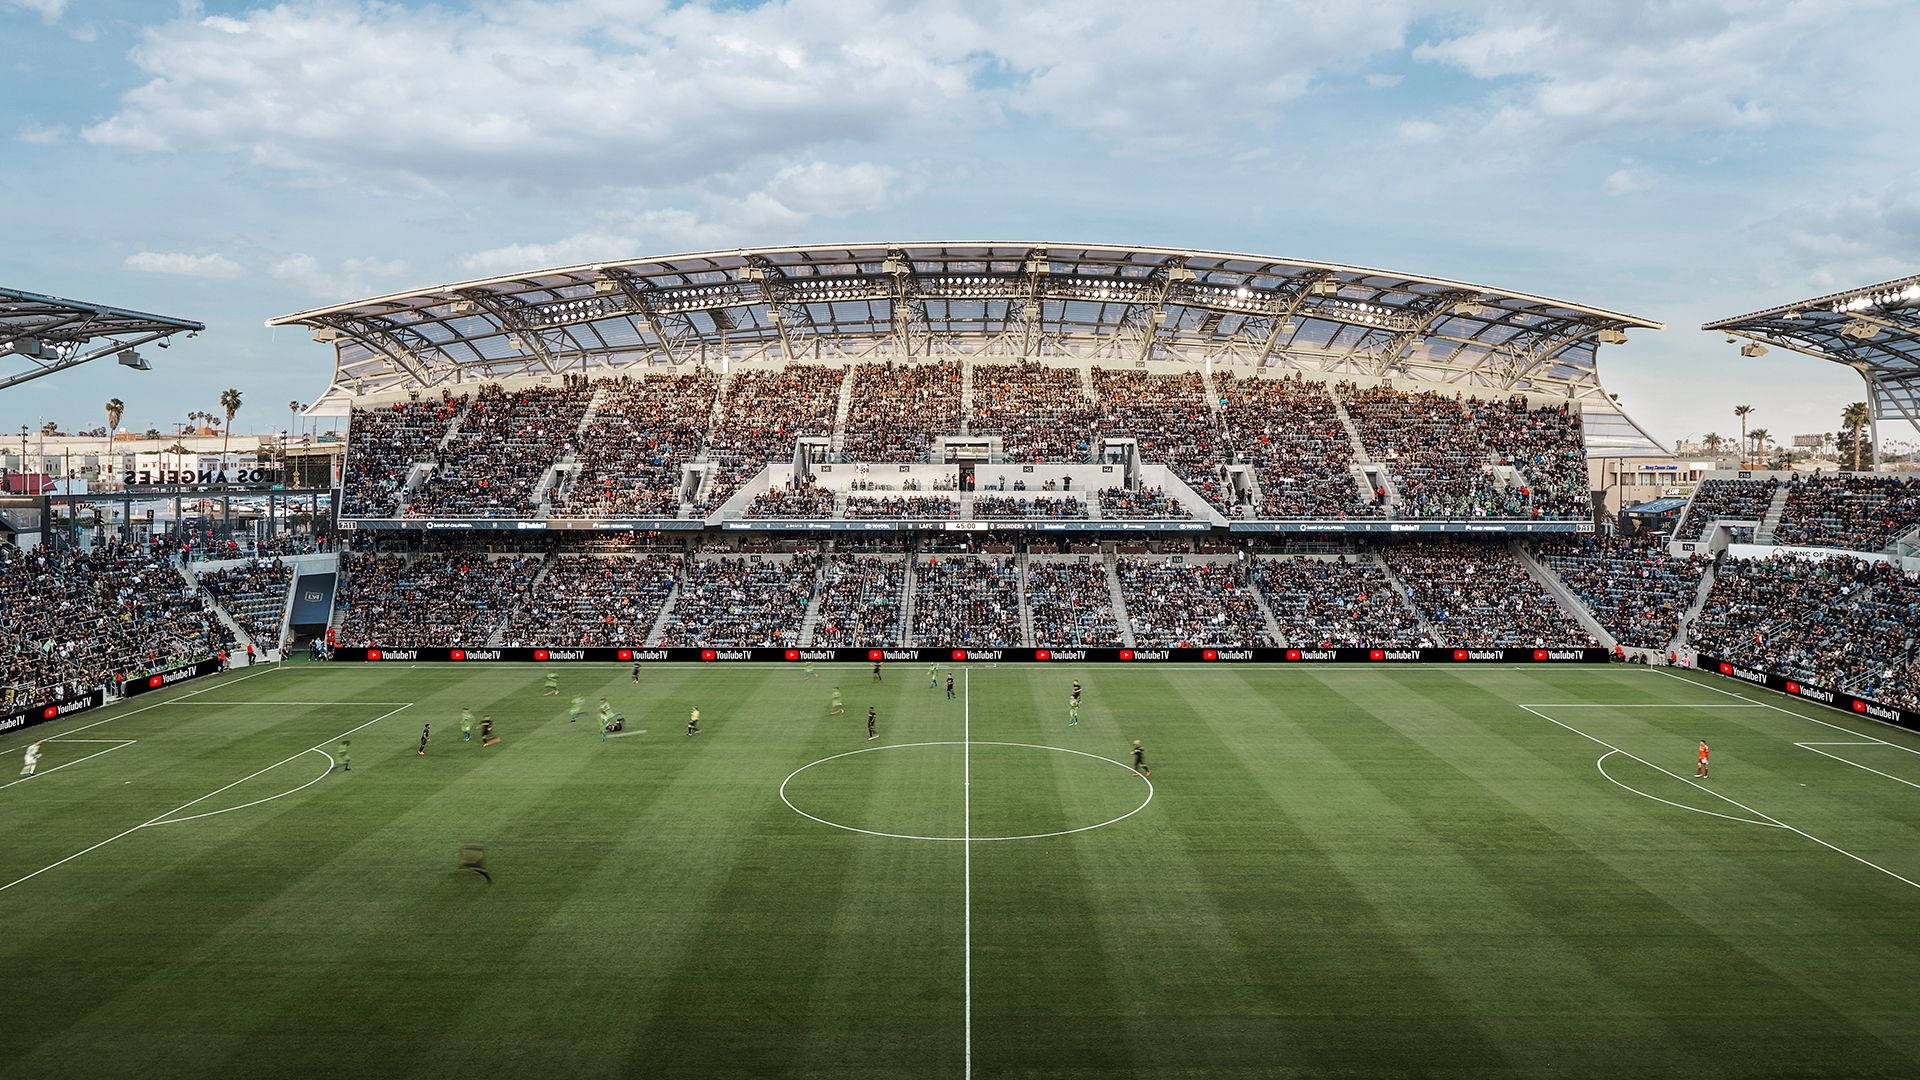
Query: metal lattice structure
<point x="52" y="334"/>
<point x="1875" y="330"/>
<point x="1040" y="301"/>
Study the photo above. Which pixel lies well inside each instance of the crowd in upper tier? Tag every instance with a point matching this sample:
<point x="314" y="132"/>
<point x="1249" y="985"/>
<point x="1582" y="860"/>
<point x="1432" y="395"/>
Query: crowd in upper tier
<point x="71" y="621"/>
<point x="1635" y="590"/>
<point x="1859" y="513"/>
<point x="1742" y="500"/>
<point x="1843" y="623"/>
<point x="621" y="447"/>
<point x="1476" y="596"/>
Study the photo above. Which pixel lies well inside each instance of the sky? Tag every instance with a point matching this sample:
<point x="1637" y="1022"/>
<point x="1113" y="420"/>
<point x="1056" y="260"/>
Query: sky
<point x="229" y="162"/>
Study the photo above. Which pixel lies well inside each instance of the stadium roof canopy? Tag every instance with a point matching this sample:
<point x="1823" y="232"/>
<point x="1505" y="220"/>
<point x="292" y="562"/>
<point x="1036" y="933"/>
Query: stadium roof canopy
<point x="1874" y="330"/>
<point x="1042" y="301"/>
<point x="51" y="334"/>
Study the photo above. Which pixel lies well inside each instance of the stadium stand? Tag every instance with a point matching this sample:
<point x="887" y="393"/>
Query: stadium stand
<point x="1040" y="413"/>
<point x="762" y="413"/>
<point x="1336" y="603"/>
<point x="1071" y="604"/>
<point x="504" y="445"/>
<point x="1441" y="450"/>
<point x="1187" y="604"/>
<point x="1852" y="512"/>
<point x="861" y="599"/>
<point x="76" y="620"/>
<point x="1059" y="508"/>
<point x="1149" y="503"/>
<point x="594" y="600"/>
<point x="966" y="603"/>
<point x="1291" y="433"/>
<point x="1476" y="596"/>
<point x="1744" y="500"/>
<point x="255" y="595"/>
<point x="1843" y="623"/>
<point x="452" y="598"/>
<point x="898" y="411"/>
<point x="383" y="442"/>
<point x="633" y="452"/>
<point x="734" y="602"/>
<point x="792" y="501"/>
<point x="1170" y="418"/>
<point x="873" y="507"/>
<point x="1635" y="590"/>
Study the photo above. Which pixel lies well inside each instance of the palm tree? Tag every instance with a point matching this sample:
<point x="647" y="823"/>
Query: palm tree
<point x="230" y="401"/>
<point x="1741" y="411"/>
<point x="1759" y="436"/>
<point x="1712" y="442"/>
<point x="293" y="417"/>
<point x="50" y="428"/>
<point x="1854" y="418"/>
<point x="115" y="410"/>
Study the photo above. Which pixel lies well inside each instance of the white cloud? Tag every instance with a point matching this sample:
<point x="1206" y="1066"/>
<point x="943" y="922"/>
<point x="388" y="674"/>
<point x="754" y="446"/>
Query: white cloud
<point x="649" y="93"/>
<point x="1627" y="180"/>
<point x="40" y="134"/>
<point x="1852" y="239"/>
<point x="1420" y="131"/>
<point x="349" y="279"/>
<point x="1382" y="81"/>
<point x="181" y="264"/>
<point x="48" y="10"/>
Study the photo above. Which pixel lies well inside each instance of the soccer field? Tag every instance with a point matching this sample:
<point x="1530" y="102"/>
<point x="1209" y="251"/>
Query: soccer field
<point x="1333" y="872"/>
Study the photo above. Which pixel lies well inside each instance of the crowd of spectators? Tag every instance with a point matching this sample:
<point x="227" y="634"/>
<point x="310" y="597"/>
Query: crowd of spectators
<point x="1169" y="418"/>
<point x="861" y="599"/>
<point x="607" y="600"/>
<point x="1440" y="449"/>
<point x="1856" y="512"/>
<point x="1479" y="596"/>
<point x="1176" y="605"/>
<point x="897" y="411"/>
<point x="254" y="594"/>
<point x="1743" y="500"/>
<point x="506" y="441"/>
<point x="1057" y="508"/>
<point x="966" y="603"/>
<point x="1290" y="432"/>
<point x="1147" y="502"/>
<point x="73" y="620"/>
<point x="383" y="442"/>
<point x="1333" y="604"/>
<point x="797" y="500"/>
<point x="741" y="602"/>
<point x="1633" y="587"/>
<point x="761" y="417"/>
<point x="437" y="599"/>
<point x="1843" y="623"/>
<point x="634" y="451"/>
<point x="1071" y="605"/>
<point x="1040" y="413"/>
<point x="870" y="507"/>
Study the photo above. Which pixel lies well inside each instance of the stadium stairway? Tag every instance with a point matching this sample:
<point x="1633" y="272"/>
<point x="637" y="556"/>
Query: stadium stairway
<point x="1026" y="608"/>
<point x="1406" y="598"/>
<point x="907" y="589"/>
<point x="1692" y="614"/>
<point x="811" y="621"/>
<point x="1361" y="459"/>
<point x="841" y="410"/>
<point x="1775" y="511"/>
<point x="966" y="397"/>
<point x="233" y="627"/>
<point x="1120" y="615"/>
<point x="1252" y="584"/>
<point x="564" y="471"/>
<point x="499" y="634"/>
<point x="659" y="626"/>
<point x="1562" y="594"/>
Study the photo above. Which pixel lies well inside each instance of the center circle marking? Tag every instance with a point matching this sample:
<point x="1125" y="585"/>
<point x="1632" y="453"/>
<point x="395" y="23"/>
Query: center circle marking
<point x="958" y="839"/>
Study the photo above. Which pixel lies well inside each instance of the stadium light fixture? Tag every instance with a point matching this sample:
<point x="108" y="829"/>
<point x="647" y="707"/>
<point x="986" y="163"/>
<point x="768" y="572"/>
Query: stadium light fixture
<point x="1753" y="349"/>
<point x="1612" y="336"/>
<point x="131" y="358"/>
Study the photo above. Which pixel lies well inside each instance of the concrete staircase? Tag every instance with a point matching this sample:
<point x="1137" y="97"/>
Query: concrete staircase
<point x="1406" y="597"/>
<point x="842" y="410"/>
<point x="812" y="620"/>
<point x="1687" y="618"/>
<point x="660" y="621"/>
<point x="1562" y="594"/>
<point x="1266" y="611"/>
<point x="1775" y="511"/>
<point x="220" y="613"/>
<point x="499" y="634"/>
<point x="966" y="397"/>
<point x="1361" y="456"/>
<point x="1026" y="608"/>
<point x="907" y="590"/>
<point x="1119" y="603"/>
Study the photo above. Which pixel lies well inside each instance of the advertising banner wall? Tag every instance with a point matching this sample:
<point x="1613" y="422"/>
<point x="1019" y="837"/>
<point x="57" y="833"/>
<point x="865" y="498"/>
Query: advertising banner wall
<point x="637" y="653"/>
<point x="1819" y="695"/>
<point x="25" y="716"/>
<point x="147" y="683"/>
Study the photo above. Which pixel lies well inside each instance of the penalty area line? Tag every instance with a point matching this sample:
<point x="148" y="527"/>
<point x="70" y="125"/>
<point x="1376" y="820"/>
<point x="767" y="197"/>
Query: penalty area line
<point x="1815" y="747"/>
<point x="161" y="819"/>
<point x="119" y="744"/>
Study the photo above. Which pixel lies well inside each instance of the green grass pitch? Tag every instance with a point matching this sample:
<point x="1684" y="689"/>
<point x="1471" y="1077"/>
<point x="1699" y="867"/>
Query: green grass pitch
<point x="1342" y="872"/>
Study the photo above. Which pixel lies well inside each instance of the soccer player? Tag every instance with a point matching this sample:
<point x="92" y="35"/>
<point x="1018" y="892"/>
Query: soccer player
<point x="1140" y="760"/>
<point x="346" y="762"/>
<point x="693" y="721"/>
<point x="487" y="737"/>
<point x="1073" y="711"/>
<point x="876" y="671"/>
<point x="32" y="762"/>
<point x="426" y="732"/>
<point x="809" y="673"/>
<point x="553" y="684"/>
<point x="606" y="712"/>
<point x="871" y="734"/>
<point x="839" y="707"/>
<point x="577" y="709"/>
<point x="1702" y="769"/>
<point x="933" y="676"/>
<point x="636" y="673"/>
<point x="466" y="718"/>
<point x="1076" y="691"/>
<point x="949" y="687"/>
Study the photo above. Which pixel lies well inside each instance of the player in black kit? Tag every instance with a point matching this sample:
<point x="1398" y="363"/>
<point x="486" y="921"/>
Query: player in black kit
<point x="949" y="688"/>
<point x="426" y="732"/>
<point x="871" y="735"/>
<point x="1140" y="760"/>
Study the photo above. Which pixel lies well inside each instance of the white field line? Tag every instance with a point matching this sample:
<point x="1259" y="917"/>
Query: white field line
<point x="1799" y="716"/>
<point x="182" y="701"/>
<point x="624" y="734"/>
<point x="1601" y="764"/>
<point x="117" y="744"/>
<point x="162" y="818"/>
<point x="157" y="704"/>
<point x="1591" y="705"/>
<point x="213" y="813"/>
<point x="1815" y="747"/>
<point x="966" y="848"/>
<point x="1717" y="795"/>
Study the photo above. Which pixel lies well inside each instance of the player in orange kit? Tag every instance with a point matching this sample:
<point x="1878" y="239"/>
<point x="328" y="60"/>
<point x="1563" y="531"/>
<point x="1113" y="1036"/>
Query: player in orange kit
<point x="1702" y="770"/>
